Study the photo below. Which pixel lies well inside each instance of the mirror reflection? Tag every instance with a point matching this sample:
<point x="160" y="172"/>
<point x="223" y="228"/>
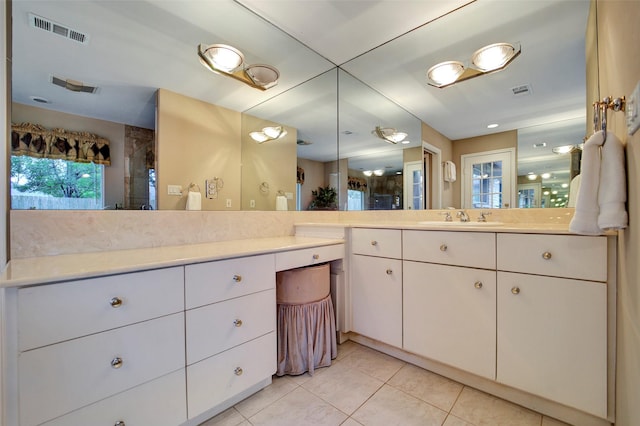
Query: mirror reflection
<point x="330" y="114"/>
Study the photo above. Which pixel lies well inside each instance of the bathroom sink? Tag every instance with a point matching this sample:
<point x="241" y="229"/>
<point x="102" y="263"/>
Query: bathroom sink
<point x="458" y="223"/>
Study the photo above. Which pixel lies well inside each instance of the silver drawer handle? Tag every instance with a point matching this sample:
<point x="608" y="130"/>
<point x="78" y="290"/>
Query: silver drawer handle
<point x="515" y="290"/>
<point x="316" y="256"/>
<point x="389" y="271"/>
<point x="119" y="423"/>
<point x="443" y="247"/>
<point x="478" y="284"/>
<point x="238" y="371"/>
<point x="374" y="243"/>
<point x="116" y="362"/>
<point x="237" y="278"/>
<point x="238" y="323"/>
<point x="546" y="255"/>
<point x="115" y="302"/>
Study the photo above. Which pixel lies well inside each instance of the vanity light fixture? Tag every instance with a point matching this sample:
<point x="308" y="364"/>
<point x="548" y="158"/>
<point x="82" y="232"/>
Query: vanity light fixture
<point x="227" y="60"/>
<point x="367" y="173"/>
<point x="532" y="176"/>
<point x="389" y="134"/>
<point x="268" y="134"/>
<point x="488" y="59"/>
<point x="378" y="172"/>
<point x="565" y="149"/>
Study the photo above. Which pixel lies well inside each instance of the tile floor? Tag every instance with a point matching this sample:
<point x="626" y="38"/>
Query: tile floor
<point x="366" y="387"/>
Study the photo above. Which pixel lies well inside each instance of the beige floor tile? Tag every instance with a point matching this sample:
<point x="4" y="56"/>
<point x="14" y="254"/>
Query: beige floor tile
<point x="454" y="421"/>
<point x="346" y="348"/>
<point x="230" y="417"/>
<point x="548" y="421"/>
<point x="373" y="363"/>
<point x="390" y="406"/>
<point x="299" y="407"/>
<point x="351" y="422"/>
<point x="343" y="387"/>
<point x="482" y="409"/>
<point x="279" y="387"/>
<point x="427" y="386"/>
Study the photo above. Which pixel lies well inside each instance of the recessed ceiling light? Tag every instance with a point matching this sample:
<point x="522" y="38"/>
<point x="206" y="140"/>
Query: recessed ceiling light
<point x="545" y="175"/>
<point x="39" y="99"/>
<point x="492" y="126"/>
<point x="405" y="142"/>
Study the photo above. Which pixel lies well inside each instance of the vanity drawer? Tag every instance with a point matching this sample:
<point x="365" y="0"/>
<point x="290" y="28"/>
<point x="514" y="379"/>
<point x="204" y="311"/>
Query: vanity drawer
<point x="215" y="328"/>
<point x="218" y="378"/>
<point x="160" y="402"/>
<point x="474" y="249"/>
<point x="54" y="313"/>
<point x="298" y="258"/>
<point x="60" y="378"/>
<point x="377" y="242"/>
<point x="569" y="256"/>
<point x="212" y="282"/>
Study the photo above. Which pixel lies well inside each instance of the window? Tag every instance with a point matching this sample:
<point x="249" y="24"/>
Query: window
<point x="54" y="184"/>
<point x="487" y="182"/>
<point x="355" y="200"/>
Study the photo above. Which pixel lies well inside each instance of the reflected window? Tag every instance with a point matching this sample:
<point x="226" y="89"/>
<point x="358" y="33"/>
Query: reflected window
<point x="53" y="184"/>
<point x="355" y="200"/>
<point x="487" y="185"/>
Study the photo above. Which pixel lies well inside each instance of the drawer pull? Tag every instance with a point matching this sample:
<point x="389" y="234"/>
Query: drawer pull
<point x="119" y="423"/>
<point x="389" y="271"/>
<point x="316" y="256"/>
<point x="546" y="255"/>
<point x="238" y="371"/>
<point x="238" y="323"/>
<point x="116" y="362"/>
<point x="443" y="247"/>
<point x="115" y="302"/>
<point x="237" y="278"/>
<point x="374" y="243"/>
<point x="478" y="284"/>
<point x="515" y="290"/>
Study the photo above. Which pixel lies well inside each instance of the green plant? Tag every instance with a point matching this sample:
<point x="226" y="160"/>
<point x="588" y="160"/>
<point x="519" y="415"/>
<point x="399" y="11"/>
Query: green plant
<point x="324" y="198"/>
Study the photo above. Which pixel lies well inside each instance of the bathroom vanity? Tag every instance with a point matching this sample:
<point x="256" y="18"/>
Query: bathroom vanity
<point x="174" y="335"/>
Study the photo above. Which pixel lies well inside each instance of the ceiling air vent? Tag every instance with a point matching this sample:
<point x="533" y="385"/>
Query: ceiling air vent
<point x="53" y="27"/>
<point x="524" y="89"/>
<point x="74" y="86"/>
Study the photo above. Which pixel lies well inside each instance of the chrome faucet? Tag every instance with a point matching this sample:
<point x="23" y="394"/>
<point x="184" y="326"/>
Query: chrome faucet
<point x="483" y="216"/>
<point x="447" y="216"/>
<point x="464" y="217"/>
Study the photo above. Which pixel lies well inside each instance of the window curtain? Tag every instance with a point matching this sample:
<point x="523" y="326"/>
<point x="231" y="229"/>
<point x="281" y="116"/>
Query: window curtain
<point x="300" y="175"/>
<point x="356" y="184"/>
<point x="36" y="141"/>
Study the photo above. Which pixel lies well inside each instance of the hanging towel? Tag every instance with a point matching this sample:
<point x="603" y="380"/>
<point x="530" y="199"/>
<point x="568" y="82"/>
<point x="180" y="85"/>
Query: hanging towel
<point x="281" y="202"/>
<point x="194" y="201"/>
<point x="613" y="185"/>
<point x="449" y="171"/>
<point x="573" y="191"/>
<point x="585" y="217"/>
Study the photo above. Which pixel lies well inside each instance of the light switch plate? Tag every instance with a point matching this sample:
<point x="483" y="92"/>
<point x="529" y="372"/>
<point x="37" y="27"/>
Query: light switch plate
<point x="633" y="119"/>
<point x="174" y="190"/>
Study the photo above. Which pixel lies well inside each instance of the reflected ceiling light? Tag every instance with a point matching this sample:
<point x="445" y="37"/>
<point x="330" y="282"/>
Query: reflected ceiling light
<point x="378" y="172"/>
<point x="389" y="134"/>
<point x="532" y="176"/>
<point x="367" y="172"/>
<point x="487" y="59"/>
<point x="492" y="126"/>
<point x="406" y="142"/>
<point x="227" y="60"/>
<point x="565" y="149"/>
<point x="268" y="134"/>
<point x="565" y="185"/>
<point x="545" y="175"/>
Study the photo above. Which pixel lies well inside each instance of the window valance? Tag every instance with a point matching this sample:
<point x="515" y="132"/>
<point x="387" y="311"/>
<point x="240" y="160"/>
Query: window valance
<point x="36" y="141"/>
<point x="356" y="184"/>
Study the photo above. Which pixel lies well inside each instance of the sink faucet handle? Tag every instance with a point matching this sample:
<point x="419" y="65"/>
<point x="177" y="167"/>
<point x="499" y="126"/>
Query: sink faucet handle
<point x="463" y="216"/>
<point x="447" y="216"/>
<point x="483" y="216"/>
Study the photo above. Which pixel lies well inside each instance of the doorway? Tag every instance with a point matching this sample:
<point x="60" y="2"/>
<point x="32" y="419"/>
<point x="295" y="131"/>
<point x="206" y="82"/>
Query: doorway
<point x="488" y="181"/>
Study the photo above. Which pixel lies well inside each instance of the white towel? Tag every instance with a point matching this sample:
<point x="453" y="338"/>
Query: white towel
<point x="585" y="217"/>
<point x="449" y="171"/>
<point x="613" y="185"/>
<point x="573" y="191"/>
<point x="194" y="201"/>
<point x="281" y="202"/>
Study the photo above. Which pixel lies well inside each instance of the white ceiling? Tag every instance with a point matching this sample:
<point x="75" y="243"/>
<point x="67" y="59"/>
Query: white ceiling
<point x="136" y="47"/>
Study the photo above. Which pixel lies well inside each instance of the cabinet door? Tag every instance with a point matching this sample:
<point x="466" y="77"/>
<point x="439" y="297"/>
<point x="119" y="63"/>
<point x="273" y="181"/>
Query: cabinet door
<point x="450" y="315"/>
<point x="552" y="339"/>
<point x="376" y="292"/>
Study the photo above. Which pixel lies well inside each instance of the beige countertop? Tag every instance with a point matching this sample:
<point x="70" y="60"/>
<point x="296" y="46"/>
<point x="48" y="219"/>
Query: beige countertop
<point x="48" y="269"/>
<point x="528" y="228"/>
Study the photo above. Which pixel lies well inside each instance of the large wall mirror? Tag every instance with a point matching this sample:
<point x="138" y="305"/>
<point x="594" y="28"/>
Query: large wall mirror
<point x="331" y="113"/>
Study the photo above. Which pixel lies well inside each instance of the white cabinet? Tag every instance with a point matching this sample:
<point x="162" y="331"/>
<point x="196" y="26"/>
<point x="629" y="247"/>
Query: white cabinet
<point x="376" y="284"/>
<point x="552" y="331"/>
<point x="230" y="329"/>
<point x="474" y="249"/>
<point x="450" y="315"/>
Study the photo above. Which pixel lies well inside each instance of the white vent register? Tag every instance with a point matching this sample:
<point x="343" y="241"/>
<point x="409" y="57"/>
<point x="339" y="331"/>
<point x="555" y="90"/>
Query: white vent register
<point x="48" y="25"/>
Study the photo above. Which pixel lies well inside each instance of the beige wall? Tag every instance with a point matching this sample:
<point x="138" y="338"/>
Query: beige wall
<point x="491" y="142"/>
<point x="114" y="132"/>
<point x="437" y="139"/>
<point x="196" y="141"/>
<point x="273" y="163"/>
<point x="619" y="69"/>
<point x="313" y="178"/>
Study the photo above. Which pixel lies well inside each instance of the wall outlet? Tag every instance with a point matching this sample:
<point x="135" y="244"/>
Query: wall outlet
<point x="174" y="190"/>
<point x="632" y="107"/>
<point x="228" y="202"/>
